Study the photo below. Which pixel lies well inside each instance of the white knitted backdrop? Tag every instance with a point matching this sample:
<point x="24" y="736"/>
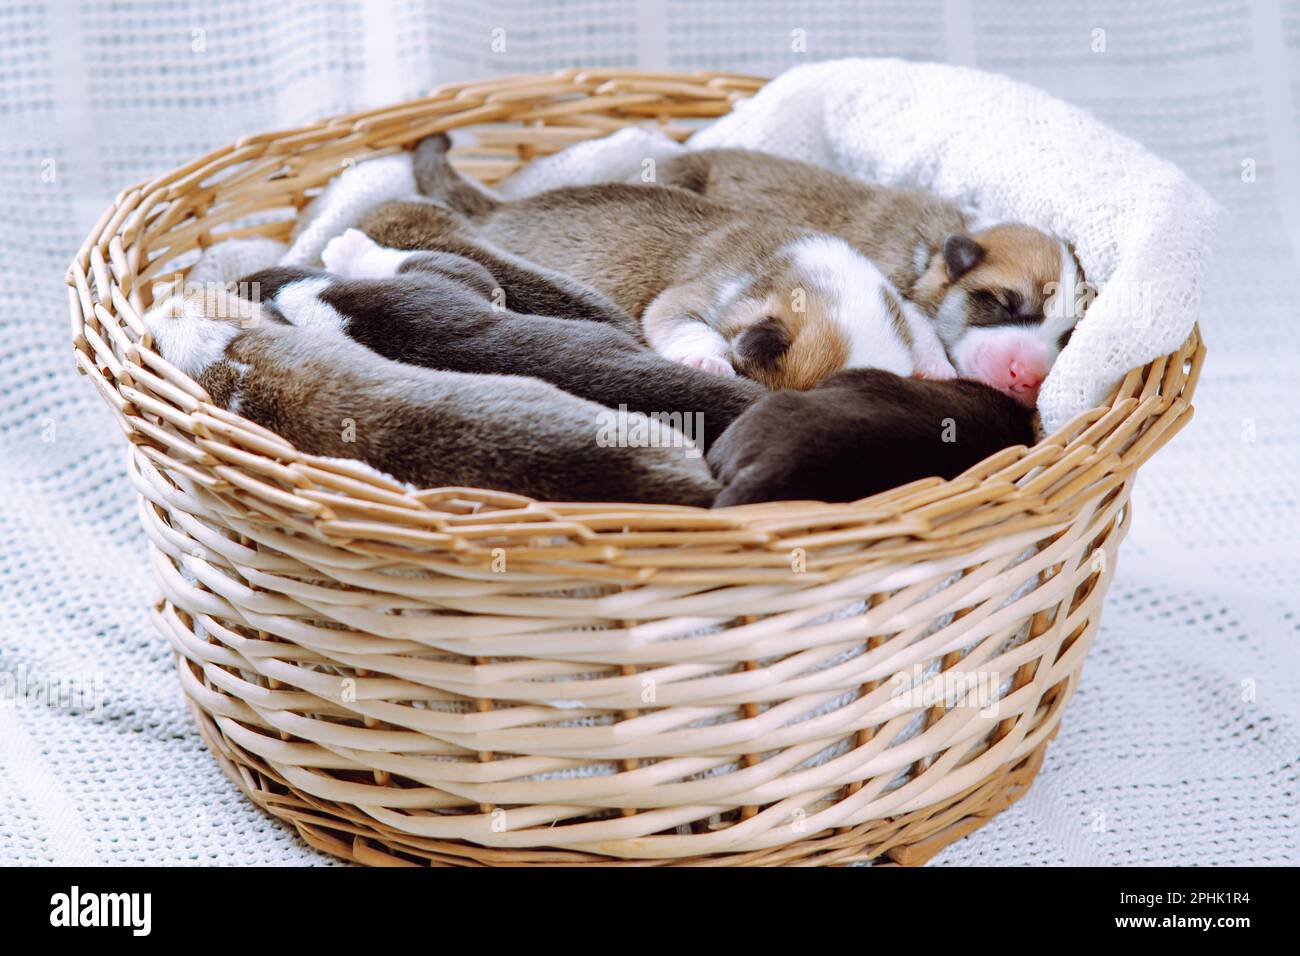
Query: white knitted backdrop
<point x="1183" y="743"/>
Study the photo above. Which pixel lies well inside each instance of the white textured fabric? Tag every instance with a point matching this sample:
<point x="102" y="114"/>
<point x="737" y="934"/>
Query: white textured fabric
<point x="233" y="259"/>
<point x="345" y="201"/>
<point x="1182" y="743"/>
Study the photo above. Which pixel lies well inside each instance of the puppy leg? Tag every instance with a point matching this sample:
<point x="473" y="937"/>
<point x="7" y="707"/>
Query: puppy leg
<point x="674" y="329"/>
<point x="413" y="225"/>
<point x="930" y="358"/>
<point x="192" y="327"/>
<point x="532" y="289"/>
<point x="354" y="255"/>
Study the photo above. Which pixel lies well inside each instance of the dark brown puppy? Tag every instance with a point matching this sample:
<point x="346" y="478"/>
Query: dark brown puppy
<point x="860" y="432"/>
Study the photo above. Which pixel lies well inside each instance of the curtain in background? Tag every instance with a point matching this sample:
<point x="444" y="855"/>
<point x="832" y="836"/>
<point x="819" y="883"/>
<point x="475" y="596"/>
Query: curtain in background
<point x="1182" y="743"/>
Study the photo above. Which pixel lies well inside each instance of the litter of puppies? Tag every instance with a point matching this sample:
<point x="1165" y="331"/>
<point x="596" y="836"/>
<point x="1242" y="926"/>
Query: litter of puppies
<point x="764" y="330"/>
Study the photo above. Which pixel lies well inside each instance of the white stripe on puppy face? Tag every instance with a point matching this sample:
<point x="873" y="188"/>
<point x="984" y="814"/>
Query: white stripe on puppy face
<point x="354" y="255"/>
<point x="920" y="259"/>
<point x="730" y="291"/>
<point x="300" y="304"/>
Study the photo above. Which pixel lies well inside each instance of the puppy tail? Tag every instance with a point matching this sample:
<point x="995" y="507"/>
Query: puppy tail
<point x="436" y="178"/>
<point x="763" y="344"/>
<point x="773" y="353"/>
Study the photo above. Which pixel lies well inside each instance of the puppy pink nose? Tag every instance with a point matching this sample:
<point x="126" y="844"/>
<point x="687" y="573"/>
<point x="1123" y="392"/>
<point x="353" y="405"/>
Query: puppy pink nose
<point x="1022" y="377"/>
<point x="1010" y="362"/>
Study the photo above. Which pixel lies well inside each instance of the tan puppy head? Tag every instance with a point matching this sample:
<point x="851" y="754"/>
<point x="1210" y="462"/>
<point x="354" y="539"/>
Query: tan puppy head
<point x="1005" y="301"/>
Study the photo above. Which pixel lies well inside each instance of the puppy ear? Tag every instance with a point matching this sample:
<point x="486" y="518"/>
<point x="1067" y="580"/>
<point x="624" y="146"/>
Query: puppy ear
<point x="961" y="253"/>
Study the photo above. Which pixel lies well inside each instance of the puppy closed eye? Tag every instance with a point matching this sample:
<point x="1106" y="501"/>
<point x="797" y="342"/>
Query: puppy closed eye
<point x="1002" y="300"/>
<point x="1010" y="305"/>
<point x="1010" y="300"/>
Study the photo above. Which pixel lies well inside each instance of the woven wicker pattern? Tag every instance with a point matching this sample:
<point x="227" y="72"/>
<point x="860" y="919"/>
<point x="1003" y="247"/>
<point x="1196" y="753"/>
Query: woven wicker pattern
<point x="462" y="676"/>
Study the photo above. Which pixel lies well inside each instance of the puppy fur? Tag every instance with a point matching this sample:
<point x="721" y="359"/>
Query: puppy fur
<point x="860" y="432"/>
<point x="434" y="310"/>
<point x="715" y="287"/>
<point x="330" y="395"/>
<point x="524" y="285"/>
<point x="1010" y="276"/>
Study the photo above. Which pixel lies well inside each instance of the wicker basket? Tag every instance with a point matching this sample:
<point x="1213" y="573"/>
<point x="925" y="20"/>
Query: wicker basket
<point x="458" y="676"/>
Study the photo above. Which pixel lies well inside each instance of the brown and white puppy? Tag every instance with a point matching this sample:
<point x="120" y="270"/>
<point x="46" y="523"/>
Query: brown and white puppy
<point x="435" y="309"/>
<point x="860" y="432"/>
<point x="330" y="395"/>
<point x="1005" y="299"/>
<point x="716" y="288"/>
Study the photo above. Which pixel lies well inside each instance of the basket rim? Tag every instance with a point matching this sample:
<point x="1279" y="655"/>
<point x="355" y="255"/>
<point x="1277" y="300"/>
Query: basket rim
<point x="174" y="426"/>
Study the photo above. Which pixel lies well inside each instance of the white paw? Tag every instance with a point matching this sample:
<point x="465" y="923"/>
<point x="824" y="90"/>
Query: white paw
<point x="343" y="253"/>
<point x="708" y="363"/>
<point x="354" y="255"/>
<point x="191" y="329"/>
<point x="936" y="370"/>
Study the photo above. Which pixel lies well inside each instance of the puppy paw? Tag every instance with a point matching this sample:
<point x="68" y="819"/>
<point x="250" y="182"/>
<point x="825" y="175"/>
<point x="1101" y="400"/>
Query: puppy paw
<point x="354" y="255"/>
<point x="191" y="327"/>
<point x="936" y="370"/>
<point x="708" y="363"/>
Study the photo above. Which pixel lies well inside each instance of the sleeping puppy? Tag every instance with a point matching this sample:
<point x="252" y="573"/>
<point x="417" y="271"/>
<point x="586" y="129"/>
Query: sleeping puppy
<point x="1005" y="299"/>
<point x="860" y="432"/>
<point x="530" y="288"/>
<point x="715" y="288"/>
<point x="330" y="395"/>
<point x="436" y="310"/>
